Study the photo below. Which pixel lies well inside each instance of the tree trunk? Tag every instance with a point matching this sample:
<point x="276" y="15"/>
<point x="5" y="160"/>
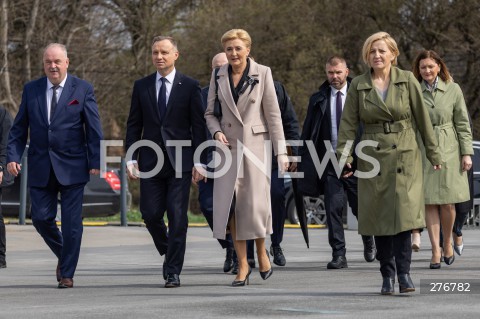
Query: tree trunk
<point x="6" y="97"/>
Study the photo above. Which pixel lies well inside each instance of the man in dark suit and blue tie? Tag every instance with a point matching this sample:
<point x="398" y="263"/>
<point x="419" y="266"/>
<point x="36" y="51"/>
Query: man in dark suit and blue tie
<point x="61" y="114"/>
<point x="166" y="109"/>
<point x="321" y="124"/>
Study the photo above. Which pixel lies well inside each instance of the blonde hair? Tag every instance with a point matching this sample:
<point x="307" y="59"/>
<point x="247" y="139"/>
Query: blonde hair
<point x="391" y="44"/>
<point x="237" y="34"/>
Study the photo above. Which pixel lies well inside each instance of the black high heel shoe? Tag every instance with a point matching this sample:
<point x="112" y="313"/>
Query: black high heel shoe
<point x="451" y="259"/>
<point x="266" y="274"/>
<point x="435" y="265"/>
<point x="240" y="283"/>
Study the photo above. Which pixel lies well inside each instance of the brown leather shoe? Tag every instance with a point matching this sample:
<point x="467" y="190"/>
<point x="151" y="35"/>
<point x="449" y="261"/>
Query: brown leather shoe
<point x="59" y="275"/>
<point x="66" y="283"/>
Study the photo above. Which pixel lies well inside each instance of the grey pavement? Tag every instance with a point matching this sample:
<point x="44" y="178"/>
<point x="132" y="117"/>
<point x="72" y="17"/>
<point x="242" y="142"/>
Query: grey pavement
<point x="119" y="276"/>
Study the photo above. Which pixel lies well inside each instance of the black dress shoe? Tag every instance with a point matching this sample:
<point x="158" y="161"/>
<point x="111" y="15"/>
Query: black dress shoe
<point x="172" y="281"/>
<point x="388" y="286"/>
<point x="278" y="257"/>
<point x="369" y="249"/>
<point x="405" y="283"/>
<point x="3" y="264"/>
<point x="338" y="262"/>
<point x="228" y="264"/>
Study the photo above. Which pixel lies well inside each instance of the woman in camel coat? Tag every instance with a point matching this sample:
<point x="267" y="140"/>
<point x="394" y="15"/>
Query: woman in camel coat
<point x="250" y="118"/>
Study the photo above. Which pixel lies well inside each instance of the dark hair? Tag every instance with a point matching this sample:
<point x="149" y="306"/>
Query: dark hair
<point x="335" y="59"/>
<point x="444" y="74"/>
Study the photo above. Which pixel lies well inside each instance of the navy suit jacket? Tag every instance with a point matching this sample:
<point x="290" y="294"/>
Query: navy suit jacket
<point x="70" y="143"/>
<point x="183" y="121"/>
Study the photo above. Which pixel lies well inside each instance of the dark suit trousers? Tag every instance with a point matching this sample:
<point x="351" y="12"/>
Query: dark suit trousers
<point x="394" y="252"/>
<point x="205" y="198"/>
<point x="335" y="189"/>
<point x="3" y="239"/>
<point x="279" y="211"/>
<point x="161" y="193"/>
<point x="65" y="244"/>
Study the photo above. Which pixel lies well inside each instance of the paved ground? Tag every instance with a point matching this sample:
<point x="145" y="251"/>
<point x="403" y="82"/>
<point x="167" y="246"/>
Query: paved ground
<point x="119" y="276"/>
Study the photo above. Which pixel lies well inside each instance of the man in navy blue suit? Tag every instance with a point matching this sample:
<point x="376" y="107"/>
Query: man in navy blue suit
<point x="166" y="111"/>
<point x="61" y="114"/>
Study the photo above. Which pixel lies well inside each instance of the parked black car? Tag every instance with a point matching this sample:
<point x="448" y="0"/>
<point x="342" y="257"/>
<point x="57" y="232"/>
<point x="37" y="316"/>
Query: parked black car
<point x="101" y="197"/>
<point x="315" y="206"/>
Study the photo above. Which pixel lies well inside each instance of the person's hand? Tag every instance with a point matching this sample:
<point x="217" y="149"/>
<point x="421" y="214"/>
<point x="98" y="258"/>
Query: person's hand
<point x="347" y="170"/>
<point x="293" y="167"/>
<point x="14" y="168"/>
<point x="198" y="173"/>
<point x="466" y="163"/>
<point x="132" y="171"/>
<point x="1" y="177"/>
<point x="219" y="136"/>
<point x="283" y="164"/>
<point x="94" y="171"/>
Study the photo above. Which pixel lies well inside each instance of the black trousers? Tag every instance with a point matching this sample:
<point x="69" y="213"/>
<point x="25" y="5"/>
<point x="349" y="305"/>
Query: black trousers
<point x="165" y="192"/>
<point x="335" y="189"/>
<point x="394" y="253"/>
<point x="279" y="212"/>
<point x="205" y="198"/>
<point x="3" y="239"/>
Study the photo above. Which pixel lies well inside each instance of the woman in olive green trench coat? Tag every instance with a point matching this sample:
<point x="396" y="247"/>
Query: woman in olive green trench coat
<point x="448" y="113"/>
<point x="388" y="103"/>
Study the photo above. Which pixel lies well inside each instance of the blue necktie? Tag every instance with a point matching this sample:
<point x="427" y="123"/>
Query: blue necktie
<point x="162" y="99"/>
<point x="339" y="108"/>
<point x="53" y="103"/>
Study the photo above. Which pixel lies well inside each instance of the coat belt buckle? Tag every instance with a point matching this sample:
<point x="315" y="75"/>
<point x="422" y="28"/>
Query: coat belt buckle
<point x="386" y="128"/>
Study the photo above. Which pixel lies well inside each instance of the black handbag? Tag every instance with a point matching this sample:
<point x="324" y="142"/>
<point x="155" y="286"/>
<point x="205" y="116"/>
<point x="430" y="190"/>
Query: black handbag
<point x="217" y="107"/>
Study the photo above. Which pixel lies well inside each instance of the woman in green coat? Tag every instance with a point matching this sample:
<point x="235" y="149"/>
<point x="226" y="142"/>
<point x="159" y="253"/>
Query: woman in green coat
<point x="388" y="104"/>
<point x="449" y="116"/>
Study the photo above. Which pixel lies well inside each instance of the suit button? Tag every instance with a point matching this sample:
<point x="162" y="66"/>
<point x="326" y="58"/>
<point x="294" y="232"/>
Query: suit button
<point x="399" y="170"/>
<point x="252" y="100"/>
<point x="394" y="146"/>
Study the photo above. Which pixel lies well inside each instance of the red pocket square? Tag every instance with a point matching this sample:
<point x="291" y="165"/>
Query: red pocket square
<point x="74" y="102"/>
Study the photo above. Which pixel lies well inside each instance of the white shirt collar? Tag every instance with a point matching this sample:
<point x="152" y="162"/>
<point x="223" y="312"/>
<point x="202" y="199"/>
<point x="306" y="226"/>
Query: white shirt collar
<point x="170" y="77"/>
<point x="343" y="90"/>
<point x="62" y="84"/>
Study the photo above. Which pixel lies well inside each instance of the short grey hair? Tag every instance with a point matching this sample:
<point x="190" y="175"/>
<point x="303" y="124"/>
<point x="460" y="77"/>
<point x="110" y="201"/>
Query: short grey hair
<point x="59" y="45"/>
